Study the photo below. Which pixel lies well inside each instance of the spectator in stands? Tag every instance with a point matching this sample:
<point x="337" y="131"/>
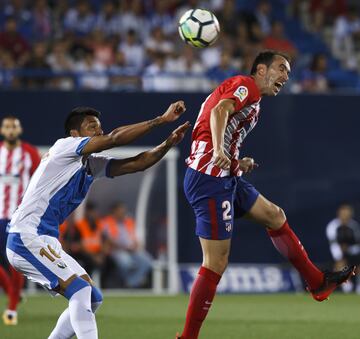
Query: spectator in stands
<point x="61" y="63"/>
<point x="129" y="255"/>
<point x="157" y="43"/>
<point x="42" y="21"/>
<point x="155" y="77"/>
<point x="346" y="38"/>
<point x="189" y="72"/>
<point x="37" y="69"/>
<point x="343" y="234"/>
<point x="80" y="20"/>
<point x="229" y="17"/>
<point x="277" y="40"/>
<point x="91" y="74"/>
<point x="324" y="12"/>
<point x="132" y="17"/>
<point x="133" y="51"/>
<point x="94" y="248"/>
<point x="58" y="13"/>
<point x="102" y="47"/>
<point x="314" y="79"/>
<point x="263" y="16"/>
<point x="161" y="17"/>
<point x="223" y="71"/>
<point x="7" y="71"/>
<point x="123" y="76"/>
<point x="17" y="9"/>
<point x="12" y="41"/>
<point x="109" y="20"/>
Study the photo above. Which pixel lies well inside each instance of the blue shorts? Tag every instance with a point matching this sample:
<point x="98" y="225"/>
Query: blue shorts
<point x="217" y="202"/>
<point x="3" y="238"/>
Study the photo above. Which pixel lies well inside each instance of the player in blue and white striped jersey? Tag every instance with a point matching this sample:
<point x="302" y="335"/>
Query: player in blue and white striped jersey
<point x="57" y="187"/>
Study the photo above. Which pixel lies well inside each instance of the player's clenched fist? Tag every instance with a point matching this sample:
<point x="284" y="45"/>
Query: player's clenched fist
<point x="221" y="160"/>
<point x="174" y="111"/>
<point x="247" y="164"/>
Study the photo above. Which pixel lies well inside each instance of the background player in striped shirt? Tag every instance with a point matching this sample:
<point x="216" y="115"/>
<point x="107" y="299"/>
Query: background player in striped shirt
<point x="58" y="186"/>
<point x="18" y="161"/>
<point x="218" y="194"/>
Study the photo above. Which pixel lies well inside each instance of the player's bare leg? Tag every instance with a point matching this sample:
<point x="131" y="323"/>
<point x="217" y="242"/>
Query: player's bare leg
<point x="320" y="284"/>
<point x="215" y="260"/>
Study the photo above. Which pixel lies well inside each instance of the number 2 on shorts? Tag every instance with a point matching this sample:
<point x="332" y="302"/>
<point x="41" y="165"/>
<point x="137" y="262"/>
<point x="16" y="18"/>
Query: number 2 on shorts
<point x="227" y="209"/>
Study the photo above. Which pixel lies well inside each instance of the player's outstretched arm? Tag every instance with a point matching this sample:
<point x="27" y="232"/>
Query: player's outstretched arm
<point x="218" y="120"/>
<point x="147" y="159"/>
<point x="126" y="134"/>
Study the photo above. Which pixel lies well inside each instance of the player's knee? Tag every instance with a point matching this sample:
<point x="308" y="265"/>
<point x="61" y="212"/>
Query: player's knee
<point x="276" y="217"/>
<point x="223" y="262"/>
<point x="217" y="264"/>
<point x="96" y="298"/>
<point x="76" y="285"/>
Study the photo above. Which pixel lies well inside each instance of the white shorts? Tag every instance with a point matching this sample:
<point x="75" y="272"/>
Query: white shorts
<point x="41" y="259"/>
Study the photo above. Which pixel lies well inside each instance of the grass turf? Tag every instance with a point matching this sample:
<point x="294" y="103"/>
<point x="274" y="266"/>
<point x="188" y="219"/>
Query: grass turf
<point x="232" y="317"/>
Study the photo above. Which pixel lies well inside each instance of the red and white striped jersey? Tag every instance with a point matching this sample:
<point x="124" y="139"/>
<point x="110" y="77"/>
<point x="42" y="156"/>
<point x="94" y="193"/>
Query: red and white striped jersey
<point x="247" y="98"/>
<point x="16" y="169"/>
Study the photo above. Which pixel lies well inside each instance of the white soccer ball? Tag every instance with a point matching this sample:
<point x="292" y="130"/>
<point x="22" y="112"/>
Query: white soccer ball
<point x="199" y="28"/>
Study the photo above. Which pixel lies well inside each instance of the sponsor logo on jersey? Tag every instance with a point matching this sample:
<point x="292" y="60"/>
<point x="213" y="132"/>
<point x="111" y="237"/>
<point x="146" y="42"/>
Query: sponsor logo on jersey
<point x="241" y="93"/>
<point x="61" y="264"/>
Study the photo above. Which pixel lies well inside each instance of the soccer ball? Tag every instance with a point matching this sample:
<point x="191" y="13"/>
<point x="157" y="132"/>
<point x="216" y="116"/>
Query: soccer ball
<point x="199" y="28"/>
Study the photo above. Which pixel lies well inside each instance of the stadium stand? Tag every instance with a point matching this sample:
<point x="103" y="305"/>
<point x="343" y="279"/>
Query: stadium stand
<point x="98" y="45"/>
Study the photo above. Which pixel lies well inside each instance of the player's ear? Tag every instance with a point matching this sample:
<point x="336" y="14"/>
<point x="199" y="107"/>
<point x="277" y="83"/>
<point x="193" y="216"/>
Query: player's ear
<point x="261" y="69"/>
<point x="74" y="133"/>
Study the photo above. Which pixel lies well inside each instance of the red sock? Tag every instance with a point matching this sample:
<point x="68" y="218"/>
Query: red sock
<point x="5" y="280"/>
<point x="17" y="281"/>
<point x="288" y="244"/>
<point x="201" y="297"/>
<point x="6" y="284"/>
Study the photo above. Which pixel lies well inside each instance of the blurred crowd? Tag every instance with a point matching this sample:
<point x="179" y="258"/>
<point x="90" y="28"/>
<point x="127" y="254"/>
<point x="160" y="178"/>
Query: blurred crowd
<point x="134" y="44"/>
<point x="107" y="247"/>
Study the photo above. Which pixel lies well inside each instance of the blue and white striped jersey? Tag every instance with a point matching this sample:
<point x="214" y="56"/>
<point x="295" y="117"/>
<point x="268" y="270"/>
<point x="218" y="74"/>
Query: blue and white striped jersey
<point x="57" y="187"/>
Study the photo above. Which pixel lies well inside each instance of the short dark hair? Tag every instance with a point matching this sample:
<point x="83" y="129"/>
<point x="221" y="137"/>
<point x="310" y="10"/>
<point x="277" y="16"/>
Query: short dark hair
<point x="266" y="58"/>
<point x="8" y="116"/>
<point x="77" y="116"/>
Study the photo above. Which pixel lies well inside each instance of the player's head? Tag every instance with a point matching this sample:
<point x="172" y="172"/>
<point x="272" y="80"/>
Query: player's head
<point x="91" y="211"/>
<point x="271" y="71"/>
<point x="83" y="122"/>
<point x="10" y="129"/>
<point x="119" y="210"/>
<point x="345" y="212"/>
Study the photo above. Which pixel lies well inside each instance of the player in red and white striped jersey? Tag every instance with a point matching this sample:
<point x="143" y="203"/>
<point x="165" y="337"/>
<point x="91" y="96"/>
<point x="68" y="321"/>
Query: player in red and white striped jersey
<point x="246" y="96"/>
<point x="18" y="161"/>
<point x="218" y="194"/>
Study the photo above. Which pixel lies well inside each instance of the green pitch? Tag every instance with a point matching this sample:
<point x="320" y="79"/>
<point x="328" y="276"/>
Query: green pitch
<point x="232" y="317"/>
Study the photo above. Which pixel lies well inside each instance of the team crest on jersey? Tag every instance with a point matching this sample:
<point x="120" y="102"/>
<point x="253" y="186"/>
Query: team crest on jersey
<point x="241" y="93"/>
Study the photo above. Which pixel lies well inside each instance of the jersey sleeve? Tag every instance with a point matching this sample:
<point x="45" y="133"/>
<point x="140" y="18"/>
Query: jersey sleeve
<point x="35" y="159"/>
<point x="34" y="156"/>
<point x="99" y="166"/>
<point x="70" y="147"/>
<point x="239" y="90"/>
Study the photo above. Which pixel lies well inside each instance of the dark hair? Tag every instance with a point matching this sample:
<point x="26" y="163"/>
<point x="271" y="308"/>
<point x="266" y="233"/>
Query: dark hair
<point x="266" y="58"/>
<point x="77" y="116"/>
<point x="9" y="116"/>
